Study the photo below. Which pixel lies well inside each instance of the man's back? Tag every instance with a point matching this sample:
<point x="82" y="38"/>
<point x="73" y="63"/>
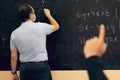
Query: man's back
<point x="30" y="40"/>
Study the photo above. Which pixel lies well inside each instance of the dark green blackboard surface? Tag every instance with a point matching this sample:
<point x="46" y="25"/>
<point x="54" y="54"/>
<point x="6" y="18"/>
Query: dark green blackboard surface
<point x="78" y="19"/>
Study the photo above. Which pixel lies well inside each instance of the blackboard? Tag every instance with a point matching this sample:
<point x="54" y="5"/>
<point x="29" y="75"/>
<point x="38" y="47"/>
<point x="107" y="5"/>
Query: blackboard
<point x="78" y="19"/>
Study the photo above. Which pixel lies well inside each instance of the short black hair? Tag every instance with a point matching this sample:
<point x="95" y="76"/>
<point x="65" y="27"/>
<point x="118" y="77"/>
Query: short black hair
<point x="24" y="11"/>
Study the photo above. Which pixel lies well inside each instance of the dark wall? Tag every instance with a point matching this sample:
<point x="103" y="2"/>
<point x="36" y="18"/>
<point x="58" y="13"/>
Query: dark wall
<point x="78" y="19"/>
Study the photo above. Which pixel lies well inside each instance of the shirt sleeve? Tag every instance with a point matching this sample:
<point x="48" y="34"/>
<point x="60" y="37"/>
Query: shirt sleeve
<point x="46" y="28"/>
<point x="12" y="44"/>
<point x="95" y="69"/>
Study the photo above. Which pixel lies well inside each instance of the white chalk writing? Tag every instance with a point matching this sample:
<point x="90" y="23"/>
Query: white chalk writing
<point x="97" y="1"/>
<point x="92" y="13"/>
<point x="83" y="27"/>
<point x="116" y="15"/>
<point x="113" y="39"/>
<point x="43" y="1"/>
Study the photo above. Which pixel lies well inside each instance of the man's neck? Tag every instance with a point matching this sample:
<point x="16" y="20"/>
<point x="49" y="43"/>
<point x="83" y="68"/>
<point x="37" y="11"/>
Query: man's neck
<point x="28" y="20"/>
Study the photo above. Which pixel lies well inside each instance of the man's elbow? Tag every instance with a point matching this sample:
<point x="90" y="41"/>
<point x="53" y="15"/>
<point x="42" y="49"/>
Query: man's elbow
<point x="55" y="28"/>
<point x="58" y="27"/>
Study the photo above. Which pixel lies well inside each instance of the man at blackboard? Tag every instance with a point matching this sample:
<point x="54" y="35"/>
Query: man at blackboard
<point x="30" y="41"/>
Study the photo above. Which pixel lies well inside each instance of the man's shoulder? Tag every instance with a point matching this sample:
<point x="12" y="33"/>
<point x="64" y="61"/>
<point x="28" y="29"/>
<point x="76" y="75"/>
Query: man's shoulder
<point x="14" y="31"/>
<point x="41" y="23"/>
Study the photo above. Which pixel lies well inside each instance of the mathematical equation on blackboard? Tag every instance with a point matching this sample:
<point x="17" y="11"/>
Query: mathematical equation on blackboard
<point x="108" y="40"/>
<point x="91" y="15"/>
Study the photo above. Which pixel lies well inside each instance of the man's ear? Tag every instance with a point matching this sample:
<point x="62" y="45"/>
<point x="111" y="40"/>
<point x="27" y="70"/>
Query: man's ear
<point x="31" y="16"/>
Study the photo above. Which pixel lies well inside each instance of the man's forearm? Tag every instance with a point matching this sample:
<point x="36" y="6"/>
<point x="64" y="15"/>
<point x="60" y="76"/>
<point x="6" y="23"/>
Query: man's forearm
<point x="14" y="57"/>
<point x="13" y="64"/>
<point x="53" y="21"/>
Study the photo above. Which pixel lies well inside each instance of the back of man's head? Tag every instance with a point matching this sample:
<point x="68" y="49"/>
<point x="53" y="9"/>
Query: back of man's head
<point x="24" y="11"/>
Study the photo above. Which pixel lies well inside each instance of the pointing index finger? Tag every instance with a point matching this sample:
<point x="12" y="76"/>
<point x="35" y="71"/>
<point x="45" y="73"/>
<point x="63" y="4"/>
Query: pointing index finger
<point x="102" y="33"/>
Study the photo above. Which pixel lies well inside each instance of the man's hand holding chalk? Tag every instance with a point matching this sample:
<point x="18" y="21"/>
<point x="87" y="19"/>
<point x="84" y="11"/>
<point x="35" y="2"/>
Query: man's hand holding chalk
<point x="47" y="12"/>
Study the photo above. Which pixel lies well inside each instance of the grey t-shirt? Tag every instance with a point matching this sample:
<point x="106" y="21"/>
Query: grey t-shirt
<point x="30" y="40"/>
